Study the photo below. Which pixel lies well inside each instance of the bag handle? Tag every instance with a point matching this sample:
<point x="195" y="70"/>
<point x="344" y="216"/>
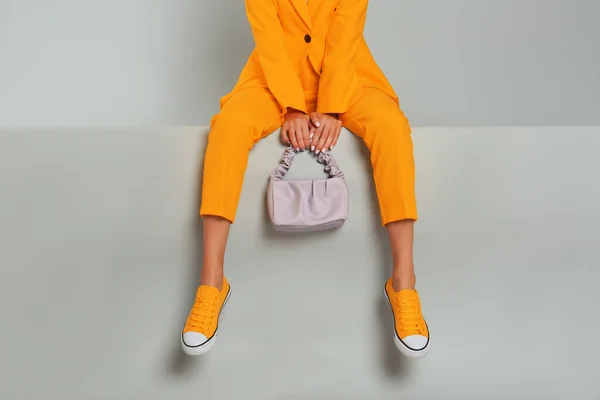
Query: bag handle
<point x="331" y="166"/>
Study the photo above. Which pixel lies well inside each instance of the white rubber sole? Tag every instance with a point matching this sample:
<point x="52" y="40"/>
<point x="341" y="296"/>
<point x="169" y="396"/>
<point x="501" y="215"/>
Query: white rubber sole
<point x="404" y="349"/>
<point x="206" y="346"/>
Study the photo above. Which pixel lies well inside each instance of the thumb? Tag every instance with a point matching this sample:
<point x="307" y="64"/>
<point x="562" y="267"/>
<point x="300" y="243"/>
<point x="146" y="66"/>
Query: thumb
<point x="314" y="118"/>
<point x="285" y="138"/>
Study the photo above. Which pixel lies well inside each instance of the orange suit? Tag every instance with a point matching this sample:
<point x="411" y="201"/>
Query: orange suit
<point x="310" y="56"/>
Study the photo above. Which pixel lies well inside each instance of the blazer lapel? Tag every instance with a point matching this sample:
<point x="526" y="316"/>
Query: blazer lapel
<point x="302" y="9"/>
<point x="312" y="7"/>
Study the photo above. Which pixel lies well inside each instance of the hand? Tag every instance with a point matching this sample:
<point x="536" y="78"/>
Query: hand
<point x="296" y="129"/>
<point x="327" y="132"/>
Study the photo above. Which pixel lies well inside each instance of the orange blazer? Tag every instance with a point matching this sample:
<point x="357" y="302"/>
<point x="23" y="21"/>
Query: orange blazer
<point x="329" y="33"/>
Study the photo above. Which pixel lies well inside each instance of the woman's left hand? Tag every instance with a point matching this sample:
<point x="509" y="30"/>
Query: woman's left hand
<point x="327" y="132"/>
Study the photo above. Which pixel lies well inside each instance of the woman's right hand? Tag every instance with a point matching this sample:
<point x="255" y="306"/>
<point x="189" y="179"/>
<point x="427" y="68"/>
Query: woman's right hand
<point x="296" y="129"/>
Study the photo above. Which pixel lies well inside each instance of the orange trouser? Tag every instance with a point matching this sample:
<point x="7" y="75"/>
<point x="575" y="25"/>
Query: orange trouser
<point x="253" y="113"/>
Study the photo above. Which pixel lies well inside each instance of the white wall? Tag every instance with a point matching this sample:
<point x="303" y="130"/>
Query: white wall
<point x="166" y="62"/>
<point x="100" y="256"/>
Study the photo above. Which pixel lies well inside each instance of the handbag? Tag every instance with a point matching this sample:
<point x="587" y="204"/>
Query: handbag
<point x="306" y="206"/>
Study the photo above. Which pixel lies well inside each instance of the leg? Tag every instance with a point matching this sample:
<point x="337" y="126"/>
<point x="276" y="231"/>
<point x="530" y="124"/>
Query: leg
<point x="245" y="118"/>
<point x="401" y="235"/>
<point x="378" y="120"/>
<point x="216" y="232"/>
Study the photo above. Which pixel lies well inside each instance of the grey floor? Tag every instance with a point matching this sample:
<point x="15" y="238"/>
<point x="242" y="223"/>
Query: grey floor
<point x="100" y="255"/>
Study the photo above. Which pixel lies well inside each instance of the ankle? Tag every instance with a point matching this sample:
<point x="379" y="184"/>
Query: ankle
<point x="400" y="282"/>
<point x="211" y="278"/>
<point x="213" y="283"/>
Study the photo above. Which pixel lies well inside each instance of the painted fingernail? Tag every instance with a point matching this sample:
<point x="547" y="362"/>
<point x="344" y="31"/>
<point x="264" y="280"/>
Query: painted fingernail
<point x="311" y="135"/>
<point x="317" y="124"/>
<point x="297" y="149"/>
<point x="312" y="148"/>
<point x="331" y="147"/>
<point x="317" y="152"/>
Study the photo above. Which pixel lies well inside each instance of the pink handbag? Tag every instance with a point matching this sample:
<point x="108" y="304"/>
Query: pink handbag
<point x="305" y="206"/>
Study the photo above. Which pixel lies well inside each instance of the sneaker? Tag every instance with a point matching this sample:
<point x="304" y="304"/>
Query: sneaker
<point x="411" y="334"/>
<point x="202" y="325"/>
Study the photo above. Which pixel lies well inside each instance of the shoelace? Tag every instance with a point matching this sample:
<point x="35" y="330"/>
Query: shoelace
<point x="409" y="316"/>
<point x="202" y="314"/>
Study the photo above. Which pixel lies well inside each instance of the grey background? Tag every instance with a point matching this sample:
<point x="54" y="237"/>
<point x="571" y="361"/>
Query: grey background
<point x="100" y="255"/>
<point x="159" y="62"/>
<point x="100" y="237"/>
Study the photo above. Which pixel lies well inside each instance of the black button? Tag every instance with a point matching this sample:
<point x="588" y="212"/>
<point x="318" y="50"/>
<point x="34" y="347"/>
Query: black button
<point x="307" y="38"/>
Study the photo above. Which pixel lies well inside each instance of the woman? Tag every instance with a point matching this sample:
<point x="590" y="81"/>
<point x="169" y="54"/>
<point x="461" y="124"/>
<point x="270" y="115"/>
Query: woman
<point x="310" y="74"/>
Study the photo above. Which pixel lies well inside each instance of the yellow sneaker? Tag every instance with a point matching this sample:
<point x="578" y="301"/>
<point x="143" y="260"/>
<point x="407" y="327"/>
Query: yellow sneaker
<point x="202" y="325"/>
<point x="411" y="334"/>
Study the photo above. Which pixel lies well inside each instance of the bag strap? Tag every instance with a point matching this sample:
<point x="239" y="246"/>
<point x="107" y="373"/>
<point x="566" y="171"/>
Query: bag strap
<point x="331" y="166"/>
